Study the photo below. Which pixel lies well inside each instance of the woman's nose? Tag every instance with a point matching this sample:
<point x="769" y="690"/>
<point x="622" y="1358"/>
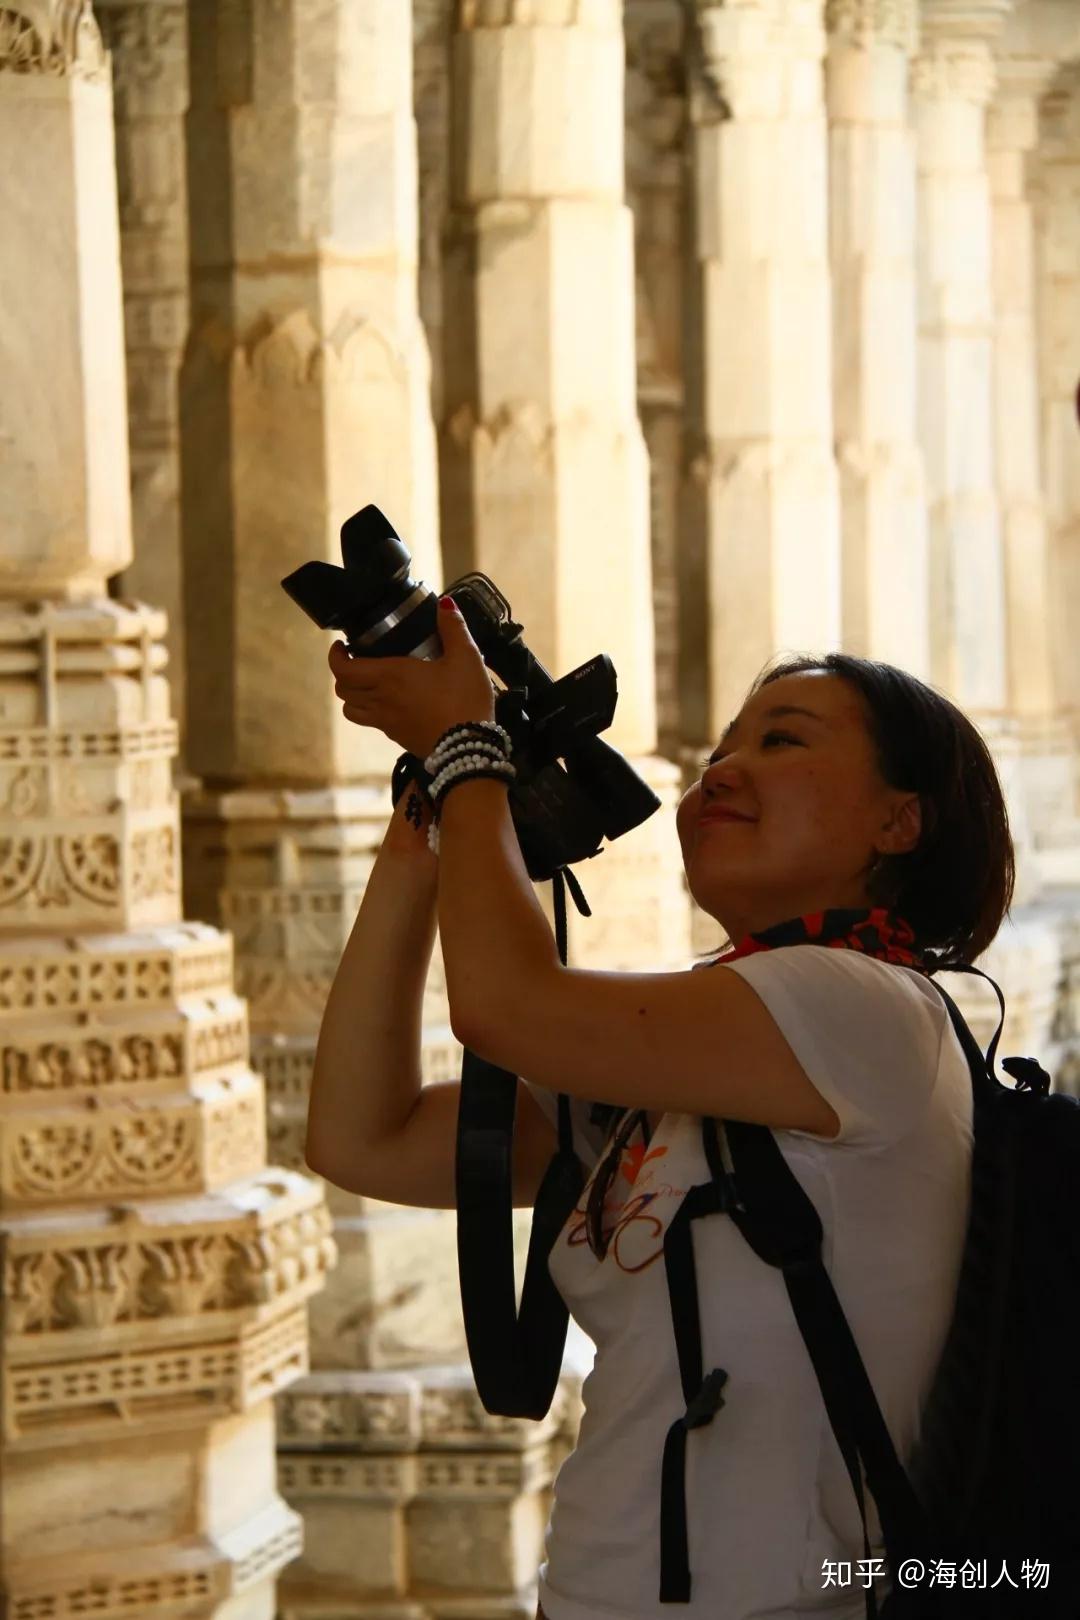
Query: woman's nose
<point x="726" y="772"/>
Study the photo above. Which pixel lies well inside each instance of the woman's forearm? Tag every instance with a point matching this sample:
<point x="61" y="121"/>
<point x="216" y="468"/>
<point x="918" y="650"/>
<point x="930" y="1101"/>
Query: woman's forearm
<point x="366" y="1078"/>
<point x="496" y="939"/>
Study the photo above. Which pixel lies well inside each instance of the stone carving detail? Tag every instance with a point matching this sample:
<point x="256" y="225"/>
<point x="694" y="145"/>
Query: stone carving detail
<point x="183" y="1588"/>
<point x="61" y="1162"/>
<point x="90" y="865"/>
<point x="290" y="921"/>
<point x="140" y="1276"/>
<point x="57" y="37"/>
<point x="387" y="1477"/>
<point x="452" y="1414"/>
<point x="494" y="1474"/>
<point x="948" y="71"/>
<point x="174" y="1145"/>
<point x="874" y="22"/>
<point x="26" y="794"/>
<point x="376" y="1416"/>
<point x="202" y="1380"/>
<point x="21" y="863"/>
<point x="200" y="961"/>
<point x="85" y="865"/>
<point x="745" y="55"/>
<point x="105" y="1059"/>
<point x="286" y="1136"/>
<point x="153" y="870"/>
<point x="284" y="990"/>
<point x="157" y="740"/>
<point x="289" y="350"/>
<point x="144" y="42"/>
<point x="55" y="871"/>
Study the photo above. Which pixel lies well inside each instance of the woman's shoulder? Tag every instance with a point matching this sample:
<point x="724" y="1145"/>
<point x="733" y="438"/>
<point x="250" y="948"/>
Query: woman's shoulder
<point x="839" y="964"/>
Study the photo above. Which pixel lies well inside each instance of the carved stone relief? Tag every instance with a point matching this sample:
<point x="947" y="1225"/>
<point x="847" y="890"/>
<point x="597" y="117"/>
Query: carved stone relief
<point x="57" y="37"/>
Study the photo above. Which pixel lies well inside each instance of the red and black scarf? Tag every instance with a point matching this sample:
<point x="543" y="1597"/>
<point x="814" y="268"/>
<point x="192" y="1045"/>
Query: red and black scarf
<point x="877" y="932"/>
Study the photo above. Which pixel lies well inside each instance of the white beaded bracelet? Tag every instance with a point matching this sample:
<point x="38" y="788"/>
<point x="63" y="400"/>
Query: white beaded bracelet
<point x="485" y="756"/>
<point x="466" y="732"/>
<point x="468" y="771"/>
<point x="462" y="767"/>
<point x="490" y="750"/>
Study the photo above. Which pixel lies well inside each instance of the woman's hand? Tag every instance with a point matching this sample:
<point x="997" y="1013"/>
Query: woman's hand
<point x="413" y="700"/>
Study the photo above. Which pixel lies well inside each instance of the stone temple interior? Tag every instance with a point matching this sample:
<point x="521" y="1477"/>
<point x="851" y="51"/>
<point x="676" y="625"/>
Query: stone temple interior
<point x="708" y="330"/>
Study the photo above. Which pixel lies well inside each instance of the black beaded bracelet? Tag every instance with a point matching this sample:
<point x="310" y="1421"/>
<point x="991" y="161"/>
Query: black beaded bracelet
<point x="474" y="775"/>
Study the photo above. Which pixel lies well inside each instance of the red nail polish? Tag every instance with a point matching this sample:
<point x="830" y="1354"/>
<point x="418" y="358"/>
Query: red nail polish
<point x="448" y="604"/>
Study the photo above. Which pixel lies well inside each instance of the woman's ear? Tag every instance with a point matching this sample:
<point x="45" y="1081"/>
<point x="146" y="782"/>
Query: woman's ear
<point x="904" y="829"/>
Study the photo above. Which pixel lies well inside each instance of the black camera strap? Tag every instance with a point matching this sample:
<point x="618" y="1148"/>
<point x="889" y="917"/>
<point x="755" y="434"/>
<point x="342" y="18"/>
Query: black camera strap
<point x="516" y="1352"/>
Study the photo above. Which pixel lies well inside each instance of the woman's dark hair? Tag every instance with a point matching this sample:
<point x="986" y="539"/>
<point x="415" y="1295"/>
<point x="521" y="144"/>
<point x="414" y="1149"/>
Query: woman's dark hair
<point x="956" y="886"/>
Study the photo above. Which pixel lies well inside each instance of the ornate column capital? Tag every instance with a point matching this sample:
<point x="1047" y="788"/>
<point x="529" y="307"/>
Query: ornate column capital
<point x="55" y="37"/>
<point x="864" y="23"/>
<point x="1026" y="76"/>
<point x="760" y="56"/>
<point x="147" y="44"/>
<point x="956" y="61"/>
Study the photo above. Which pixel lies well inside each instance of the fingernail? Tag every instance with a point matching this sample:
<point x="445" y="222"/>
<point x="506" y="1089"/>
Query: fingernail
<point x="448" y="604"/>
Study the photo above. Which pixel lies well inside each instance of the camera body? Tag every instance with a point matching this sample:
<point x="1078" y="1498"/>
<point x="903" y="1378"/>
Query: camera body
<point x="561" y="812"/>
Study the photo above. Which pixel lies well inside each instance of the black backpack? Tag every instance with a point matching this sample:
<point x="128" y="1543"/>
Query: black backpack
<point x="994" y="1479"/>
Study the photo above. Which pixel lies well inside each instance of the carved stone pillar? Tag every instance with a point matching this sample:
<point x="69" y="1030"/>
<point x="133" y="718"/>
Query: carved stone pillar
<point x="762" y="544"/>
<point x="1047" y="751"/>
<point x="872" y="231"/>
<point x="544" y="476"/>
<point x="147" y="43"/>
<point x="953" y="82"/>
<point x="656" y="115"/>
<point x="432" y="25"/>
<point x="1058" y="272"/>
<point x="155" y="1272"/>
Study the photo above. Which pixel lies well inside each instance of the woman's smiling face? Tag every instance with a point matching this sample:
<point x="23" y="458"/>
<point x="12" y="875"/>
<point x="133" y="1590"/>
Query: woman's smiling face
<point x="808" y="810"/>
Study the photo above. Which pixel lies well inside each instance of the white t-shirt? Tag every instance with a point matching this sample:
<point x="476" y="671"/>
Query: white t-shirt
<point x="768" y="1498"/>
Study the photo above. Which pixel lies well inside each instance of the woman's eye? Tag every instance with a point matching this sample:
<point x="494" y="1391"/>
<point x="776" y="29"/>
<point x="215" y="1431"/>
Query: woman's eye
<point x="769" y="737"/>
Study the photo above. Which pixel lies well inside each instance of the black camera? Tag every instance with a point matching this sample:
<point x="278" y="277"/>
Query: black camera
<point x="561" y="813"/>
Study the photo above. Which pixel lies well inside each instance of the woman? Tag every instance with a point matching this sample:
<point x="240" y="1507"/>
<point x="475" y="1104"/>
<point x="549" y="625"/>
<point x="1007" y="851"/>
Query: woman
<point x="847" y="803"/>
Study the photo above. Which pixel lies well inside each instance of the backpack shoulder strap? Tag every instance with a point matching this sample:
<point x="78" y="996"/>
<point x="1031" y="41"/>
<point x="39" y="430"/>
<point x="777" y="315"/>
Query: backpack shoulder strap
<point x="779" y="1221"/>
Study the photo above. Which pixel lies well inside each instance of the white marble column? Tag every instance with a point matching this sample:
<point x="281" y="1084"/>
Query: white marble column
<point x="953" y="82"/>
<point x="545" y="479"/>
<point x="155" y="1274"/>
<point x="1012" y="134"/>
<point x="872" y="220"/>
<point x="1058" y="273"/>
<point x="305" y="386"/>
<point x="544" y="475"/>
<point x="761" y="541"/>
<point x="1047" y="751"/>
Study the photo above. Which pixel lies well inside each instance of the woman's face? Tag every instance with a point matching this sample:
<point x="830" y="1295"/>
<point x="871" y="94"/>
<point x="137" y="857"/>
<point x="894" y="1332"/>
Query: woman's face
<point x="813" y="810"/>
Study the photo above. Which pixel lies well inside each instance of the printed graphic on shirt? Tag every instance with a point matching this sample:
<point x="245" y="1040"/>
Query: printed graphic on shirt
<point x="636" y="1212"/>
